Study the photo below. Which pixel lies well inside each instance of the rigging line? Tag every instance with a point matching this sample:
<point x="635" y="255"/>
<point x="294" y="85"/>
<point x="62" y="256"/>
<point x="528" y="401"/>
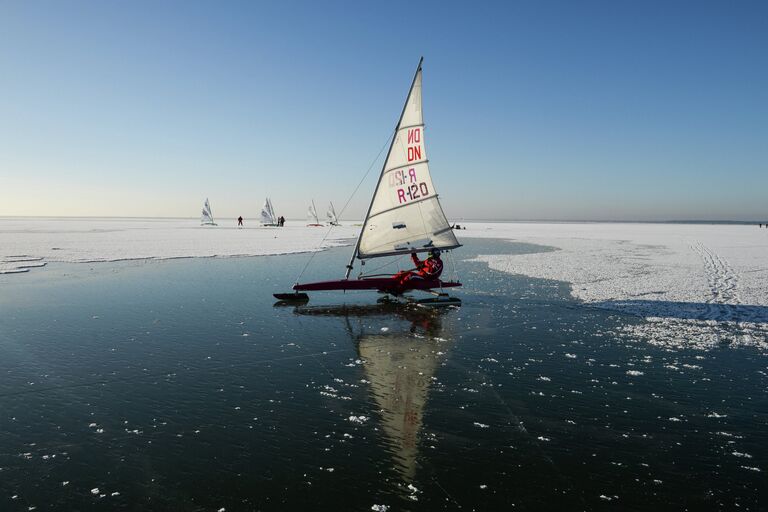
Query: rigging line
<point x="453" y="266"/>
<point x="386" y="264"/>
<point x="312" y="256"/>
<point x="392" y="134"/>
<point x="423" y="222"/>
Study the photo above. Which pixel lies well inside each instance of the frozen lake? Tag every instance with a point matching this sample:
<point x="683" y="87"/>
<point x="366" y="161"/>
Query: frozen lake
<point x="178" y="384"/>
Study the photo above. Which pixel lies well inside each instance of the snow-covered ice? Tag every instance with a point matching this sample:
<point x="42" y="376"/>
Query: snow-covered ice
<point x="695" y="284"/>
<point x="700" y="284"/>
<point x="26" y="243"/>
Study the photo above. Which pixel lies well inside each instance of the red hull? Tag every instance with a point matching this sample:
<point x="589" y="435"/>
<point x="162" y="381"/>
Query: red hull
<point x="384" y="284"/>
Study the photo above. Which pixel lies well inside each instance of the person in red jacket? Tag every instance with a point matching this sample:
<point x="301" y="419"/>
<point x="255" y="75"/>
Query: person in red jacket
<point x="427" y="270"/>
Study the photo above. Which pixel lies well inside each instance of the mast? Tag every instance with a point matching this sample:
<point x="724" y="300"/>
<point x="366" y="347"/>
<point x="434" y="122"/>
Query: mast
<point x="383" y="165"/>
<point x="272" y="211"/>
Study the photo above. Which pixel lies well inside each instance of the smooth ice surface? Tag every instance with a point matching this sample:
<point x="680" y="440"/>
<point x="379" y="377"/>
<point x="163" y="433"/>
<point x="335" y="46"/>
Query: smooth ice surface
<point x="702" y="282"/>
<point x="133" y="386"/>
<point x="30" y="242"/>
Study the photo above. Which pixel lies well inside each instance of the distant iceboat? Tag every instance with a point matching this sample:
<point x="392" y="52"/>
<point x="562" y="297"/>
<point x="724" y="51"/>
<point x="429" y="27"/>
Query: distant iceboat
<point x="268" y="217"/>
<point x="206" y="218"/>
<point x="333" y="219"/>
<point x="312" y="215"/>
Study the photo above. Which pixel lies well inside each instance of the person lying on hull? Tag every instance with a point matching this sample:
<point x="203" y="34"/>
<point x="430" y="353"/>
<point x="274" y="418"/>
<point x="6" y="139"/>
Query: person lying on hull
<point x="426" y="270"/>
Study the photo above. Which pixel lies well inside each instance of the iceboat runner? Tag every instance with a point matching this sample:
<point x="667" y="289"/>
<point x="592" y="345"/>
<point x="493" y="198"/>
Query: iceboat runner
<point x="404" y="216"/>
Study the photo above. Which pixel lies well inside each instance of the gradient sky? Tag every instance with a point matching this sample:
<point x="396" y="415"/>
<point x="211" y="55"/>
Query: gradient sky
<point x="611" y="110"/>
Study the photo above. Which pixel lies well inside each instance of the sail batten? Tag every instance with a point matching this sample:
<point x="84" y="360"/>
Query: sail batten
<point x="408" y="249"/>
<point x="411" y="126"/>
<point x="405" y="214"/>
<point x="410" y="164"/>
<point x="417" y="201"/>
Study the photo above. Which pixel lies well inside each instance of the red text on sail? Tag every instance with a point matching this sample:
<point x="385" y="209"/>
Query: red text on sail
<point x="406" y="182"/>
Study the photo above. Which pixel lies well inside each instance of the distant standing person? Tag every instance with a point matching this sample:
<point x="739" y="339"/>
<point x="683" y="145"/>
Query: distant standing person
<point x="281" y="221"/>
<point x="240" y="221"/>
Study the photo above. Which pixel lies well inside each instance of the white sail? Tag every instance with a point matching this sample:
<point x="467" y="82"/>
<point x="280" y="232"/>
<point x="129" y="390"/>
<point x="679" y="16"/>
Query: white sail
<point x="206" y="218"/>
<point x="405" y="214"/>
<point x="272" y="211"/>
<point x="331" y="214"/>
<point x="312" y="214"/>
<point x="267" y="214"/>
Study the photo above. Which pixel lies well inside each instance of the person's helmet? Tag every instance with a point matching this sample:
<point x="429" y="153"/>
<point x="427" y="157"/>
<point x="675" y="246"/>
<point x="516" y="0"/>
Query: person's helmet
<point x="434" y="252"/>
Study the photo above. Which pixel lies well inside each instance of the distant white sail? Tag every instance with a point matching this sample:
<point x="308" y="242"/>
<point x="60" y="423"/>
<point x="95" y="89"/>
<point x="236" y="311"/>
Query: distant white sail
<point x="405" y="214"/>
<point x="331" y="214"/>
<point x="312" y="214"/>
<point x="206" y="218"/>
<point x="268" y="217"/>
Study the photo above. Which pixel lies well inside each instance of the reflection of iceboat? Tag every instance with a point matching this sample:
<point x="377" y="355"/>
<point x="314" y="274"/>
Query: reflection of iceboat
<point x="400" y="367"/>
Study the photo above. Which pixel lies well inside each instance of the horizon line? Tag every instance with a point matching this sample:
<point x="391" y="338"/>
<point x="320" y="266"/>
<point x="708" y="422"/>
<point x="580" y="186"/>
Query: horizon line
<point x="564" y="221"/>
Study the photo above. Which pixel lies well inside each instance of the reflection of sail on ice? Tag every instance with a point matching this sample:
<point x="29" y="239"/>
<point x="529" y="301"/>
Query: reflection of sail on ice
<point x="405" y="214"/>
<point x="268" y="217"/>
<point x="400" y="369"/>
<point x="331" y="214"/>
<point x="206" y="218"/>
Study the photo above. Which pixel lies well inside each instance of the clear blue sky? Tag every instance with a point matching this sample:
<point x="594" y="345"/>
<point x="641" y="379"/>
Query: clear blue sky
<point x="535" y="110"/>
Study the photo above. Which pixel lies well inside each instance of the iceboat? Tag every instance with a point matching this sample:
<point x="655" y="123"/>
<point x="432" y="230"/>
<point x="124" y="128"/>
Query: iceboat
<point x="268" y="217"/>
<point x="206" y="218"/>
<point x="404" y="215"/>
<point x="314" y="221"/>
<point x="333" y="219"/>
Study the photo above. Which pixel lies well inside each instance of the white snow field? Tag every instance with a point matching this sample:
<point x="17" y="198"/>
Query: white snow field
<point x="26" y="243"/>
<point x="697" y="285"/>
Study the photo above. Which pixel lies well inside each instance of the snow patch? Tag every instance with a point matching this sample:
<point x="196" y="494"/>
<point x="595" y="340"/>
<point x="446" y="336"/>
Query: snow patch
<point x="697" y="285"/>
